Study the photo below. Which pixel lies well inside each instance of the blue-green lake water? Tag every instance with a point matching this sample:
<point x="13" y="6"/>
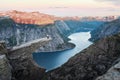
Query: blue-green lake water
<point x="52" y="60"/>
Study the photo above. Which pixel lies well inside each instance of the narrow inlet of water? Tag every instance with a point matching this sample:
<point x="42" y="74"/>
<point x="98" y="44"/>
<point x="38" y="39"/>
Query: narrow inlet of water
<point x="52" y="60"/>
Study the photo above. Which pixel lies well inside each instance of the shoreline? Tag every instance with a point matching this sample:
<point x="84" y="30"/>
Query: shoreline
<point x="69" y="48"/>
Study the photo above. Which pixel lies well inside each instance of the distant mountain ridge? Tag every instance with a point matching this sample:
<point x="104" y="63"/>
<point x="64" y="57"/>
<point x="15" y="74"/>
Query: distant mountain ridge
<point x="42" y="19"/>
<point x="29" y="17"/>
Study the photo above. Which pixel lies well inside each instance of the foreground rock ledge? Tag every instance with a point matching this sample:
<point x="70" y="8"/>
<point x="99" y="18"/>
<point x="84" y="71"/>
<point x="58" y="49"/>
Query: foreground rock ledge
<point x="112" y="74"/>
<point x="5" y="69"/>
<point x="20" y="58"/>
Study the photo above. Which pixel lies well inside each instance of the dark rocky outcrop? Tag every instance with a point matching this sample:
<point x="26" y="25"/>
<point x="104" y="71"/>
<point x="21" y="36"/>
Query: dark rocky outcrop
<point x="112" y="74"/>
<point x="107" y="29"/>
<point x="5" y="68"/>
<point x="20" y="58"/>
<point x="89" y="63"/>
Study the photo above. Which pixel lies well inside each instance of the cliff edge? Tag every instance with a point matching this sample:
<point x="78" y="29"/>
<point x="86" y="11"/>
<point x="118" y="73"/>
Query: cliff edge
<point x="20" y="58"/>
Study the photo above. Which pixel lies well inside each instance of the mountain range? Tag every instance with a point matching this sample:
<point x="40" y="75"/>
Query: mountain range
<point x="43" y="19"/>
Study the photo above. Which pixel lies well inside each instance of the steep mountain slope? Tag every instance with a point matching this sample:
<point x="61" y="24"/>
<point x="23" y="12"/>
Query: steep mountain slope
<point x="63" y="28"/>
<point x="16" y="34"/>
<point x="77" y="25"/>
<point x="89" y="63"/>
<point x="107" y="29"/>
<point x="68" y="27"/>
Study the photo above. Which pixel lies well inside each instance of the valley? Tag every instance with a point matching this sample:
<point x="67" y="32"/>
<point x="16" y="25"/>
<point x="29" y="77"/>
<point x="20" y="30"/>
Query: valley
<point x="37" y="46"/>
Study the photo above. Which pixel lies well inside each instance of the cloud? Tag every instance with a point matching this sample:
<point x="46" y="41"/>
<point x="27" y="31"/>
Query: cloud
<point x="115" y="2"/>
<point x="58" y="7"/>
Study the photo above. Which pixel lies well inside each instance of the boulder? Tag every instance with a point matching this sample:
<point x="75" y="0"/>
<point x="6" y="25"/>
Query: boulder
<point x="112" y="74"/>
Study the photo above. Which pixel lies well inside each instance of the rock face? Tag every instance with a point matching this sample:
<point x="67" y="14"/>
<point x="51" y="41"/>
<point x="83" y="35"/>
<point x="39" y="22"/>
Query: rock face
<point x="3" y="49"/>
<point x="20" y="58"/>
<point x="112" y="74"/>
<point x="107" y="29"/>
<point x="63" y="28"/>
<point x="5" y="69"/>
<point x="16" y="34"/>
<point x="89" y="63"/>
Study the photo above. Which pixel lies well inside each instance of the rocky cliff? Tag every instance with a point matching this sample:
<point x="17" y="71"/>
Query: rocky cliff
<point x="5" y="68"/>
<point x="63" y="28"/>
<point x="16" y="34"/>
<point x="89" y="63"/>
<point x="20" y="58"/>
<point x="107" y="29"/>
<point x="112" y="74"/>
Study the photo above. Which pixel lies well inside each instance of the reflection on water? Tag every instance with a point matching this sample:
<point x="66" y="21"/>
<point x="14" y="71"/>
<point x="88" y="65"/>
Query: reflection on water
<point x="52" y="60"/>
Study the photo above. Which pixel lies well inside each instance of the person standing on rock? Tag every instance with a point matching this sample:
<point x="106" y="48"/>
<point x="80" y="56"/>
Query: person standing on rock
<point x="47" y="36"/>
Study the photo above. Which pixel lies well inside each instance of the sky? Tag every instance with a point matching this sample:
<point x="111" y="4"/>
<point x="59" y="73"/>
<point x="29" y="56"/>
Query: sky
<point x="65" y="7"/>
